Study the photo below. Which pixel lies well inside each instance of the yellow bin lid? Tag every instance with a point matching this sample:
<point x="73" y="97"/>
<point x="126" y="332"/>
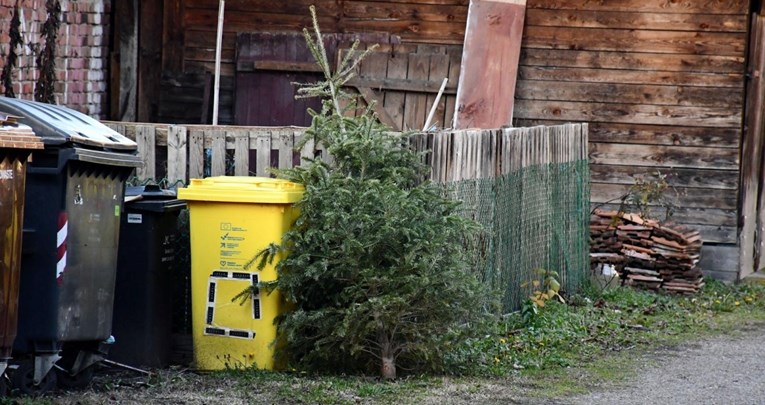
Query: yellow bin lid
<point x="242" y="189"/>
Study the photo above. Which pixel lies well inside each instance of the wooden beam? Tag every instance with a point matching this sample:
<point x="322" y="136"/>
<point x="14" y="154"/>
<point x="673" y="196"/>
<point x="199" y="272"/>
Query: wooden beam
<point x="126" y="20"/>
<point x="486" y="87"/>
<point x="751" y="158"/>
<point x="413" y="85"/>
<point x="149" y="59"/>
<point x="370" y="97"/>
<point x="280" y="66"/>
<point x="172" y="36"/>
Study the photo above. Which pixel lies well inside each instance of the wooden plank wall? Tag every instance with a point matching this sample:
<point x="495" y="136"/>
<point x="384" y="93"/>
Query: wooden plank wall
<point x="188" y="32"/>
<point x="661" y="84"/>
<point x="427" y="21"/>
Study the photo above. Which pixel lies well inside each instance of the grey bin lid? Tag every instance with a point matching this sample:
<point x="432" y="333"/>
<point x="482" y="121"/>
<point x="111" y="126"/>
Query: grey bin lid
<point x="56" y="125"/>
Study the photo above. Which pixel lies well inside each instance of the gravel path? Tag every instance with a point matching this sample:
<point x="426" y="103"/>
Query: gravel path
<point x="722" y="370"/>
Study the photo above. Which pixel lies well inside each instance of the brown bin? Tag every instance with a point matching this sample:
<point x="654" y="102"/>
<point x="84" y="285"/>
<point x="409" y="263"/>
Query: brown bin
<point x="16" y="144"/>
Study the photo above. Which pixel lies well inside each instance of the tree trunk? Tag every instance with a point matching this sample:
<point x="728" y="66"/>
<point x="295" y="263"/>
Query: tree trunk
<point x="388" y="370"/>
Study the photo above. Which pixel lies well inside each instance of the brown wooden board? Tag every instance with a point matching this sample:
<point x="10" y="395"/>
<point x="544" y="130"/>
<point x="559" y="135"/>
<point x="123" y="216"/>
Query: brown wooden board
<point x="576" y="111"/>
<point x="648" y="62"/>
<point x="631" y="93"/>
<point x="683" y="197"/>
<point x="667" y="156"/>
<point x="172" y="36"/>
<point x="628" y="40"/>
<point x="636" y="19"/>
<point x="397" y="66"/>
<point x="628" y="76"/>
<point x="489" y="67"/>
<point x="149" y="59"/>
<point x="654" y="6"/>
<point x="675" y="176"/>
<point x="416" y="104"/>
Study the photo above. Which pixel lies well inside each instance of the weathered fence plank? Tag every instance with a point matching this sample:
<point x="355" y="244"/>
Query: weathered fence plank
<point x="145" y="137"/>
<point x="241" y="154"/>
<point x="218" y="143"/>
<point x="176" y="154"/>
<point x="196" y="155"/>
<point x="263" y="156"/>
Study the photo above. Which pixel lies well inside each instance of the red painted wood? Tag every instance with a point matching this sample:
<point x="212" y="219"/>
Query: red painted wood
<point x="268" y="97"/>
<point x="489" y="71"/>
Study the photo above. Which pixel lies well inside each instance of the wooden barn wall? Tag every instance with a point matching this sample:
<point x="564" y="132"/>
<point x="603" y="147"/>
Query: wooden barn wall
<point x="188" y="27"/>
<point x="661" y="84"/>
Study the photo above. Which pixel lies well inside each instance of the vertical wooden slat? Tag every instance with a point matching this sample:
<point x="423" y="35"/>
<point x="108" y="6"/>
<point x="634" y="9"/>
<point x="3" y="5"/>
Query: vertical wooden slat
<point x="242" y="153"/>
<point x="415" y="108"/>
<point x="147" y="151"/>
<point x="446" y="155"/>
<point x="394" y="100"/>
<point x="752" y="215"/>
<point x="263" y="146"/>
<point x="176" y="154"/>
<point x="196" y="154"/>
<point x="307" y="151"/>
<point x="218" y="142"/>
<point x="149" y="58"/>
<point x="456" y="156"/>
<point x="435" y="166"/>
<point x="172" y="36"/>
<point x="374" y="66"/>
<point x="439" y="70"/>
<point x="451" y="101"/>
<point x="475" y="145"/>
<point x="284" y="143"/>
<point x="504" y="151"/>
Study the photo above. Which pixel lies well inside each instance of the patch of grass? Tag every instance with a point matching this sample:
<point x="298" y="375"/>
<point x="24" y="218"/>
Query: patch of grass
<point x="593" y="340"/>
<point x="304" y="388"/>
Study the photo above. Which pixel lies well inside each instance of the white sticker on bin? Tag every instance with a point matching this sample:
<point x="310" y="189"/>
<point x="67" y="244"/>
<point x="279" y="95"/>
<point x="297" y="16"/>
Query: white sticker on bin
<point x="135" y="218"/>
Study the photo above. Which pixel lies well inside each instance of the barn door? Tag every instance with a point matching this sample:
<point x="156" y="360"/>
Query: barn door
<point x="267" y="66"/>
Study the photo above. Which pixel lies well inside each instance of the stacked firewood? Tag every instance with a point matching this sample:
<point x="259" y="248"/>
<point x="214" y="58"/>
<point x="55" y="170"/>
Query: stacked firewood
<point x="645" y="253"/>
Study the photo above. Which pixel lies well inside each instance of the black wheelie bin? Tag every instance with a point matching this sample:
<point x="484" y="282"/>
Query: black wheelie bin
<point x="143" y="299"/>
<point x="74" y="197"/>
<point x="16" y="144"/>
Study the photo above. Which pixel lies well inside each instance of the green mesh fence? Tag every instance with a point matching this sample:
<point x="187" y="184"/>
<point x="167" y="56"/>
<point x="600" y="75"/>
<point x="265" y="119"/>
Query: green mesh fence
<point x="534" y="218"/>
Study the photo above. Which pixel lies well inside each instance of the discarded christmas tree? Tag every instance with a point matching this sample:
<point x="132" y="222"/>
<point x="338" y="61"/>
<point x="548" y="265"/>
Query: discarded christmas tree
<point x="375" y="266"/>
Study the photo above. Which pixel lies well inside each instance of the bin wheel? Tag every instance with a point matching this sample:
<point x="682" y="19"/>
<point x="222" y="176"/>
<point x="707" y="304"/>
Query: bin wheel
<point x="23" y="380"/>
<point x="74" y="382"/>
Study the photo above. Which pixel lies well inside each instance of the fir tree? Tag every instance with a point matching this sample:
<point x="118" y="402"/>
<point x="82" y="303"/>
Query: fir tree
<point x="375" y="268"/>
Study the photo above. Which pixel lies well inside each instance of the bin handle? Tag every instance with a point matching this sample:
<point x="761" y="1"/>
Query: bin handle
<point x="259" y="184"/>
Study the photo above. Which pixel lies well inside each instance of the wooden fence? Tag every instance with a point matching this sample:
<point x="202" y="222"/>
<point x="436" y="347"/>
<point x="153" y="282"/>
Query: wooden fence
<point x="179" y="153"/>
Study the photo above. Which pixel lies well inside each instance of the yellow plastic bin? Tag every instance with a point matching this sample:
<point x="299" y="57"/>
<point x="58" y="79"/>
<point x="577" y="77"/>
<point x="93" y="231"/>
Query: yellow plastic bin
<point x="231" y="220"/>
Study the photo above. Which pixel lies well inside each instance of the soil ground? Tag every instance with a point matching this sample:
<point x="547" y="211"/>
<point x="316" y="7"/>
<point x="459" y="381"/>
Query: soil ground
<point x="725" y="369"/>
